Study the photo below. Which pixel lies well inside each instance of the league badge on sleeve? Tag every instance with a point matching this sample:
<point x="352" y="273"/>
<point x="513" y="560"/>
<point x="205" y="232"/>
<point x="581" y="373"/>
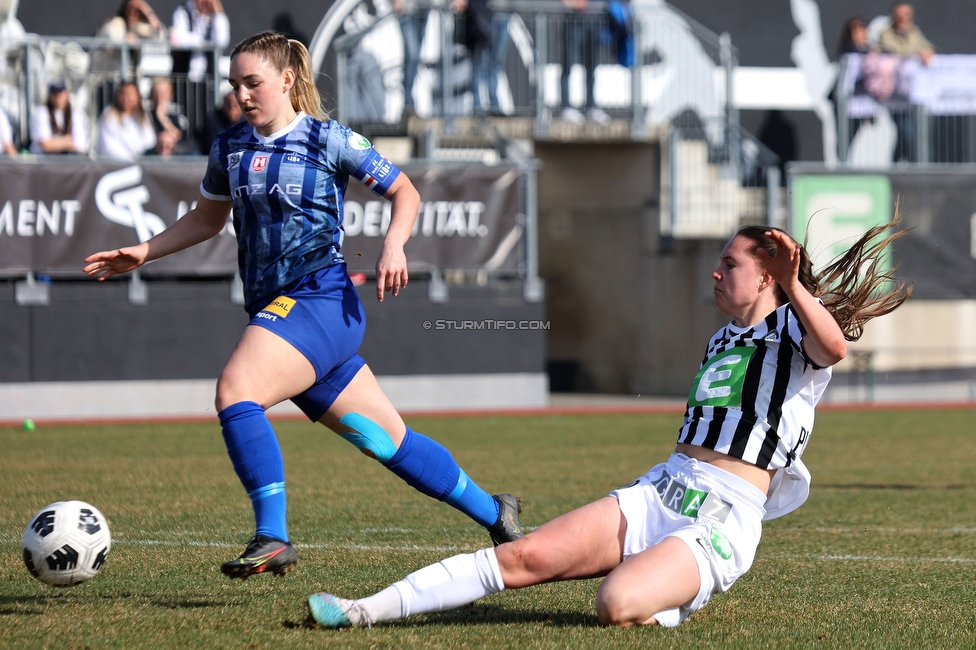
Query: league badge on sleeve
<point x="358" y="142"/>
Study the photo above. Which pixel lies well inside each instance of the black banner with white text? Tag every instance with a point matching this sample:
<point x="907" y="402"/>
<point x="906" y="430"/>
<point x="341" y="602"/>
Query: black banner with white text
<point x="54" y="212"/>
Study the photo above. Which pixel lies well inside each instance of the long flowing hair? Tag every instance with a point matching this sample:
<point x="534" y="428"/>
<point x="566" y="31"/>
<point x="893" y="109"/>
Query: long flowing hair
<point x="854" y="287"/>
<point x="55" y="129"/>
<point x="283" y="54"/>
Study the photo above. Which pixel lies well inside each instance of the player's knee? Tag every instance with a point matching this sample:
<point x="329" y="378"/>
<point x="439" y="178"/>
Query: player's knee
<point x="225" y="395"/>
<point x="617" y="607"/>
<point x="369" y="437"/>
<point x="523" y="562"/>
<point x="230" y="390"/>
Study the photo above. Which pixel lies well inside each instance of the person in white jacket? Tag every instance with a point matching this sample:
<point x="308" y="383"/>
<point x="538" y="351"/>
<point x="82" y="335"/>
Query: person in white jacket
<point x="56" y="127"/>
<point x="6" y="135"/>
<point x="197" y="23"/>
<point x="125" y="130"/>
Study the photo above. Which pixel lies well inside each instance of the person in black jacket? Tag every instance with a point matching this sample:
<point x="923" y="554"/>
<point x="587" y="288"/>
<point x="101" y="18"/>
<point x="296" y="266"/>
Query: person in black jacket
<point x="222" y="117"/>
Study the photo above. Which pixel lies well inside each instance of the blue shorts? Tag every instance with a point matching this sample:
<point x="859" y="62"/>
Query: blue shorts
<point x="321" y="316"/>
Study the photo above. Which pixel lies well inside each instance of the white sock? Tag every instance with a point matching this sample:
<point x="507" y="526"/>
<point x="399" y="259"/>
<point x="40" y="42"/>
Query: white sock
<point x="450" y="583"/>
<point x="381" y="606"/>
<point x="671" y="617"/>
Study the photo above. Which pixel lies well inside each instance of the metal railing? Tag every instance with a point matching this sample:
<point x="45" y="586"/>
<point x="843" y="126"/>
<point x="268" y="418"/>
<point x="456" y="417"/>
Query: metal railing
<point x="894" y="110"/>
<point x="719" y="180"/>
<point x="543" y="57"/>
<point x="547" y="58"/>
<point x="93" y="68"/>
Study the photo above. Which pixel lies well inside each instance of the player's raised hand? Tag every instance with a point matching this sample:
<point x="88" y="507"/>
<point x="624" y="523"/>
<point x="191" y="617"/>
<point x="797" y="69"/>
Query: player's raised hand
<point x="784" y="267"/>
<point x="105" y="264"/>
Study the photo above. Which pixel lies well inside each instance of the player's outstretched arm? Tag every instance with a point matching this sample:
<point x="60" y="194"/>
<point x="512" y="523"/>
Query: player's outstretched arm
<point x="391" y="267"/>
<point x="824" y="341"/>
<point x="200" y="224"/>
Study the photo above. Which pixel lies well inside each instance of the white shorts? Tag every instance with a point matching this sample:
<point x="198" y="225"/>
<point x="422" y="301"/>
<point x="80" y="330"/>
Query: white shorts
<point x="717" y="514"/>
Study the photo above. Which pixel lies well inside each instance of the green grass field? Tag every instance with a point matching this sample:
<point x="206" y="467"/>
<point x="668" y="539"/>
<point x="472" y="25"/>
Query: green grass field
<point x="883" y="555"/>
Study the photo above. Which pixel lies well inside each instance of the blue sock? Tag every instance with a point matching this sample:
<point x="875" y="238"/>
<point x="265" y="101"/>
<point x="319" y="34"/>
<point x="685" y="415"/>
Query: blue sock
<point x="428" y="467"/>
<point x="254" y="451"/>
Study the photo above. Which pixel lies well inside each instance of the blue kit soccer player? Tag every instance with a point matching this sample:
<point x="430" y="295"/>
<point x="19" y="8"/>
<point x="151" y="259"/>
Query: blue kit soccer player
<point x="283" y="174"/>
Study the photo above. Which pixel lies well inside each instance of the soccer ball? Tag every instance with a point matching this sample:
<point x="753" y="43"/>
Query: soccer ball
<point x="66" y="543"/>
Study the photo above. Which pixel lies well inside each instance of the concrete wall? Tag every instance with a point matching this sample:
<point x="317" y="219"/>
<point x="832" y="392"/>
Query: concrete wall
<point x="628" y="315"/>
<point x="187" y="330"/>
<point x="90" y="353"/>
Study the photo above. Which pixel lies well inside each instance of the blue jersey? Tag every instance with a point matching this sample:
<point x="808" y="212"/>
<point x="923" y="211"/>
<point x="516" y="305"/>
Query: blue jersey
<point x="287" y="191"/>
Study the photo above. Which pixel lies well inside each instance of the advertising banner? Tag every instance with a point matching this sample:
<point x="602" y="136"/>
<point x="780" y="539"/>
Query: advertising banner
<point x="54" y="212"/>
<point x="832" y="211"/>
<point x="947" y="86"/>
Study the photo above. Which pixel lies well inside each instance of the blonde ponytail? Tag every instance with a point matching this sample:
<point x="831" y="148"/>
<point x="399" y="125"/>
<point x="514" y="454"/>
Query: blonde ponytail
<point x="304" y="94"/>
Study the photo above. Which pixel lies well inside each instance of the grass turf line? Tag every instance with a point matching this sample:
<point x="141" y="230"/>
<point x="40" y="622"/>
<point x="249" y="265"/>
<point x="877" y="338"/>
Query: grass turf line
<point x="881" y="556"/>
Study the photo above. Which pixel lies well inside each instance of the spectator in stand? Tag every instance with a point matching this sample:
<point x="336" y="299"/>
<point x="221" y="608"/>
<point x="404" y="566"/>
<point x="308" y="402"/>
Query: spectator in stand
<point x="197" y="23"/>
<point x="413" y="25"/>
<point x="581" y="36"/>
<point x="854" y="37"/>
<point x="905" y="39"/>
<point x="478" y="41"/>
<point x="168" y="116"/>
<point x="853" y="40"/>
<point x="125" y="130"/>
<point x="134" y="21"/>
<point x="56" y="127"/>
<point x="6" y="135"/>
<point x="166" y="145"/>
<point x="220" y="119"/>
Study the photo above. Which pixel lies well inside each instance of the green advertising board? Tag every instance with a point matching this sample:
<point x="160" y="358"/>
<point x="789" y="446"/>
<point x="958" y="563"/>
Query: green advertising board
<point x="831" y="212"/>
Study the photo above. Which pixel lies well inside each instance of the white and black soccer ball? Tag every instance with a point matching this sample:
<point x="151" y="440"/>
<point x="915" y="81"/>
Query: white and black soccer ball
<point x="66" y="543"/>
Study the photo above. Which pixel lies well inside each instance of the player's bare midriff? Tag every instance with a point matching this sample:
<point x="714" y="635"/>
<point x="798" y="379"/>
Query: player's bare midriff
<point x="745" y="470"/>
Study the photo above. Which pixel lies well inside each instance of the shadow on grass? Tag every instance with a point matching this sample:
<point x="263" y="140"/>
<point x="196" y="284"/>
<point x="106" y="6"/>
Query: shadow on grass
<point x="56" y="597"/>
<point x="484" y="614"/>
<point x="187" y="604"/>
<point x="892" y="486"/>
<point x="28" y="605"/>
<point x="35" y="605"/>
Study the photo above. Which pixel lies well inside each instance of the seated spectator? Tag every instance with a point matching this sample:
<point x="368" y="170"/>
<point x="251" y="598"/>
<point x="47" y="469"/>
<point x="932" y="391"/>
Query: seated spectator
<point x="904" y="37"/>
<point x="165" y="145"/>
<point x="134" y="21"/>
<point x="168" y="116"/>
<point x="6" y="135"/>
<point x="125" y="131"/>
<point x="197" y="23"/>
<point x="55" y="127"/>
<point x="225" y="116"/>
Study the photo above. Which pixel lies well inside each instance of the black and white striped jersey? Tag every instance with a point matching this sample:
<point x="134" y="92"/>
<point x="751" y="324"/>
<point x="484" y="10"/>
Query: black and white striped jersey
<point x="755" y="394"/>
